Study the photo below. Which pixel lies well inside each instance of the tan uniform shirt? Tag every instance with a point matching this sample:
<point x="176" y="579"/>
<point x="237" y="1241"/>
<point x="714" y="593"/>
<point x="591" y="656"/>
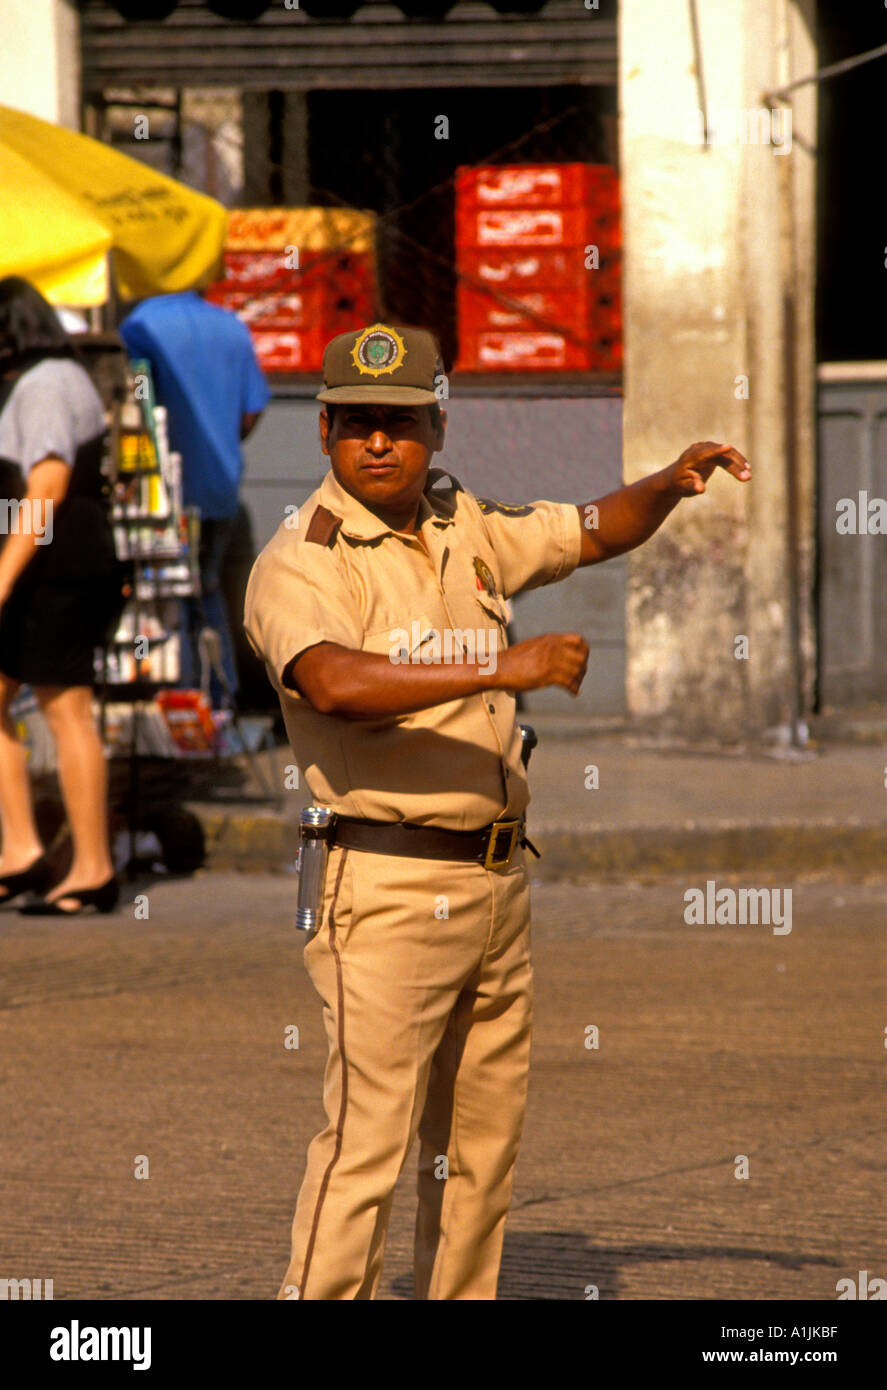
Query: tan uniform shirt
<point x="455" y="765"/>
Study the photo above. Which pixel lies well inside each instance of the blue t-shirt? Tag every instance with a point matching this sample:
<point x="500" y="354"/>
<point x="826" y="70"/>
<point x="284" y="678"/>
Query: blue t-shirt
<point x="206" y="374"/>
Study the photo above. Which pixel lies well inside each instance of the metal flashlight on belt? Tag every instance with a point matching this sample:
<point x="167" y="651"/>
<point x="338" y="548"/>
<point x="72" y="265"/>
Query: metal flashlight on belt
<point x="315" y="824"/>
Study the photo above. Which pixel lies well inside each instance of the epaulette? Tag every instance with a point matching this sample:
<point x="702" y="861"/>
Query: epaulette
<point x="488" y="504"/>
<point x="435" y="475"/>
<point x="323" y="527"/>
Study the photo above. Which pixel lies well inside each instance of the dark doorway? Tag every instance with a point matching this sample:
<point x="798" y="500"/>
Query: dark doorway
<point x="379" y="151"/>
<point x="851" y="318"/>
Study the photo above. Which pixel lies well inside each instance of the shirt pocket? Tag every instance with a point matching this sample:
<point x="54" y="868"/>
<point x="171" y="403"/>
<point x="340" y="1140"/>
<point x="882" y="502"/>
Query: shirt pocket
<point x="401" y="642"/>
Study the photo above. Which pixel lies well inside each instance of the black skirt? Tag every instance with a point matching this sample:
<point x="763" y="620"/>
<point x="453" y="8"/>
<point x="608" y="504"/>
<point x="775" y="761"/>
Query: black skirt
<point x="65" y="603"/>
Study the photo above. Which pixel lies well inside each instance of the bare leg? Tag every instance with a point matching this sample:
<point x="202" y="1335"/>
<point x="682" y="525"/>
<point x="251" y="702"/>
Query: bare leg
<point x="83" y="775"/>
<point x="21" y="842"/>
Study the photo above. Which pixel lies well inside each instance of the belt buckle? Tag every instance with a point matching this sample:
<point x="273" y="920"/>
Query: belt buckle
<point x="498" y="828"/>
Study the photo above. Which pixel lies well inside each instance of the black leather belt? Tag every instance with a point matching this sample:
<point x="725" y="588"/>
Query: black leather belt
<point x="493" y="846"/>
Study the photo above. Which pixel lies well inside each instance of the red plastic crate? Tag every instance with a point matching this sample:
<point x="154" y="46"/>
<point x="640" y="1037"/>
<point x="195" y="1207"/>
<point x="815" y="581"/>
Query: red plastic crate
<point x="343" y="311"/>
<point x="340" y="268"/>
<point x="257" y="270"/>
<point x="523" y="230"/>
<point x="522" y="185"/>
<point x="271" y="309"/>
<point x="605" y="322"/>
<point x="293" y="313"/>
<point x="318" y="306"/>
<point x="606" y="234"/>
<point x="546" y="310"/>
<point x="252" y="271"/>
<point x="602" y="198"/>
<point x="515" y="269"/>
<point x="289" y="350"/>
<point x="520" y="352"/>
<point x="606" y="281"/>
<point x="537" y="185"/>
<point x="607" y="357"/>
<point x="522" y="227"/>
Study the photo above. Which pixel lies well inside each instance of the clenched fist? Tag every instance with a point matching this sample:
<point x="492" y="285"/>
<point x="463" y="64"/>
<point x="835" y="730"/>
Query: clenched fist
<point x="555" y="658"/>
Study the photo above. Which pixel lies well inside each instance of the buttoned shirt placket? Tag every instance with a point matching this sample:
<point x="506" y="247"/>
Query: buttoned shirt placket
<point x="428" y="523"/>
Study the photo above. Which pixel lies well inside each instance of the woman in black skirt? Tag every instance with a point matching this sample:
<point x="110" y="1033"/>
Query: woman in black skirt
<point x="59" y="592"/>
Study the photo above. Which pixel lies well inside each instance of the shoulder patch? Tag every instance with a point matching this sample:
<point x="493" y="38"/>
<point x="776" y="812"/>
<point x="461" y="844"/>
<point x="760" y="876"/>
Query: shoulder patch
<point x="323" y="527"/>
<point x="487" y="504"/>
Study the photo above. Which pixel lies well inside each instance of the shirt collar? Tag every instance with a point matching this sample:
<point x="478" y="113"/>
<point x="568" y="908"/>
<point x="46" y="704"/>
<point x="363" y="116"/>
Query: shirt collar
<point x="359" y="522"/>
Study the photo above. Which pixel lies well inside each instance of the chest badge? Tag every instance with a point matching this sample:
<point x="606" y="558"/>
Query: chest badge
<point x="484" y="577"/>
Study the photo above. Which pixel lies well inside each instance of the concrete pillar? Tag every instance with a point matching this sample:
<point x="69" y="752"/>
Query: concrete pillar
<point x="40" y="59"/>
<point x="717" y="236"/>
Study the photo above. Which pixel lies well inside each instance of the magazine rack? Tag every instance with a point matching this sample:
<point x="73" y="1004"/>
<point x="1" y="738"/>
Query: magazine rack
<point x="139" y="668"/>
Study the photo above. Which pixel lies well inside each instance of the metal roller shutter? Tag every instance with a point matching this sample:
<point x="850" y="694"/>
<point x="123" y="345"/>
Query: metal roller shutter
<point x="378" y="48"/>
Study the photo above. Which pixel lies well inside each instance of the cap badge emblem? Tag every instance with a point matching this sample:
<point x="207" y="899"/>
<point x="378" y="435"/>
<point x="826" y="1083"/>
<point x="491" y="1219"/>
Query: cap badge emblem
<point x="378" y="350"/>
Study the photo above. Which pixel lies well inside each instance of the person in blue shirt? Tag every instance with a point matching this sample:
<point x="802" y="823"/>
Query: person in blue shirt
<point x="207" y="376"/>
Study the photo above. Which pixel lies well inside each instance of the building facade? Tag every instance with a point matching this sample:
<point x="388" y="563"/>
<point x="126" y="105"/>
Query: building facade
<point x="730" y="619"/>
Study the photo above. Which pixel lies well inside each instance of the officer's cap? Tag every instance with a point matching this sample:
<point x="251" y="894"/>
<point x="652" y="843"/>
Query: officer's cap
<point x="381" y="365"/>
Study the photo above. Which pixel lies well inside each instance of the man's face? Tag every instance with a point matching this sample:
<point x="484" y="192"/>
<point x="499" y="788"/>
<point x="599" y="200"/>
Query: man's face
<point x="380" y="454"/>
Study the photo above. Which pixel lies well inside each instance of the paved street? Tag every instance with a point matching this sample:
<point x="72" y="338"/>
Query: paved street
<point x="165" y="1038"/>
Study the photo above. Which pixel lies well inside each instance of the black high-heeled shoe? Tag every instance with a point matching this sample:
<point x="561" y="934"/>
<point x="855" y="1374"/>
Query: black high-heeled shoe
<point x="104" y="897"/>
<point x="36" y="877"/>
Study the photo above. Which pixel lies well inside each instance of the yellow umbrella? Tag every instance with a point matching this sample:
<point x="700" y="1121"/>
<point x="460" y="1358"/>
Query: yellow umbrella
<point x="67" y="200"/>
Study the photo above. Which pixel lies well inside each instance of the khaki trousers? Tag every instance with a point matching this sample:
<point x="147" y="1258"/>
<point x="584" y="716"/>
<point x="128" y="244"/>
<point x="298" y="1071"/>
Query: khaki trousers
<point x="423" y="967"/>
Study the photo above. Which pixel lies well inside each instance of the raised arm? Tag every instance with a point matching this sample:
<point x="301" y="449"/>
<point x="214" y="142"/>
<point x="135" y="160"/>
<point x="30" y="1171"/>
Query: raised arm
<point x="626" y="518"/>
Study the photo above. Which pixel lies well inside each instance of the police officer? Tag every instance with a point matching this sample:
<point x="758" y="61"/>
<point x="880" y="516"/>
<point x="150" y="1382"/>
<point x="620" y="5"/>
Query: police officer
<point x="382" y="622"/>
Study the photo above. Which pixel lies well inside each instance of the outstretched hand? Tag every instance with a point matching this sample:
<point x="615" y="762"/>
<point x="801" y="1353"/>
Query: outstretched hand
<point x="692" y="470"/>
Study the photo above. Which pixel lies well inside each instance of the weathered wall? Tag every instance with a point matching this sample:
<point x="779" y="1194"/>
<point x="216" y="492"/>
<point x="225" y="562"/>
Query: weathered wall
<point x="40" y="59"/>
<point x="706" y="266"/>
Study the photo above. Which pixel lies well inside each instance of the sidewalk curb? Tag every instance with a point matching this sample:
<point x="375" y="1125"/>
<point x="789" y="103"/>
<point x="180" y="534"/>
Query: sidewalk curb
<point x="269" y="842"/>
<point x="751" y="849"/>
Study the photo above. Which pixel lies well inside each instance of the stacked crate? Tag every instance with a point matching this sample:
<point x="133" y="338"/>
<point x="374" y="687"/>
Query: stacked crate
<point x="297" y="277"/>
<point x="527" y="299"/>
